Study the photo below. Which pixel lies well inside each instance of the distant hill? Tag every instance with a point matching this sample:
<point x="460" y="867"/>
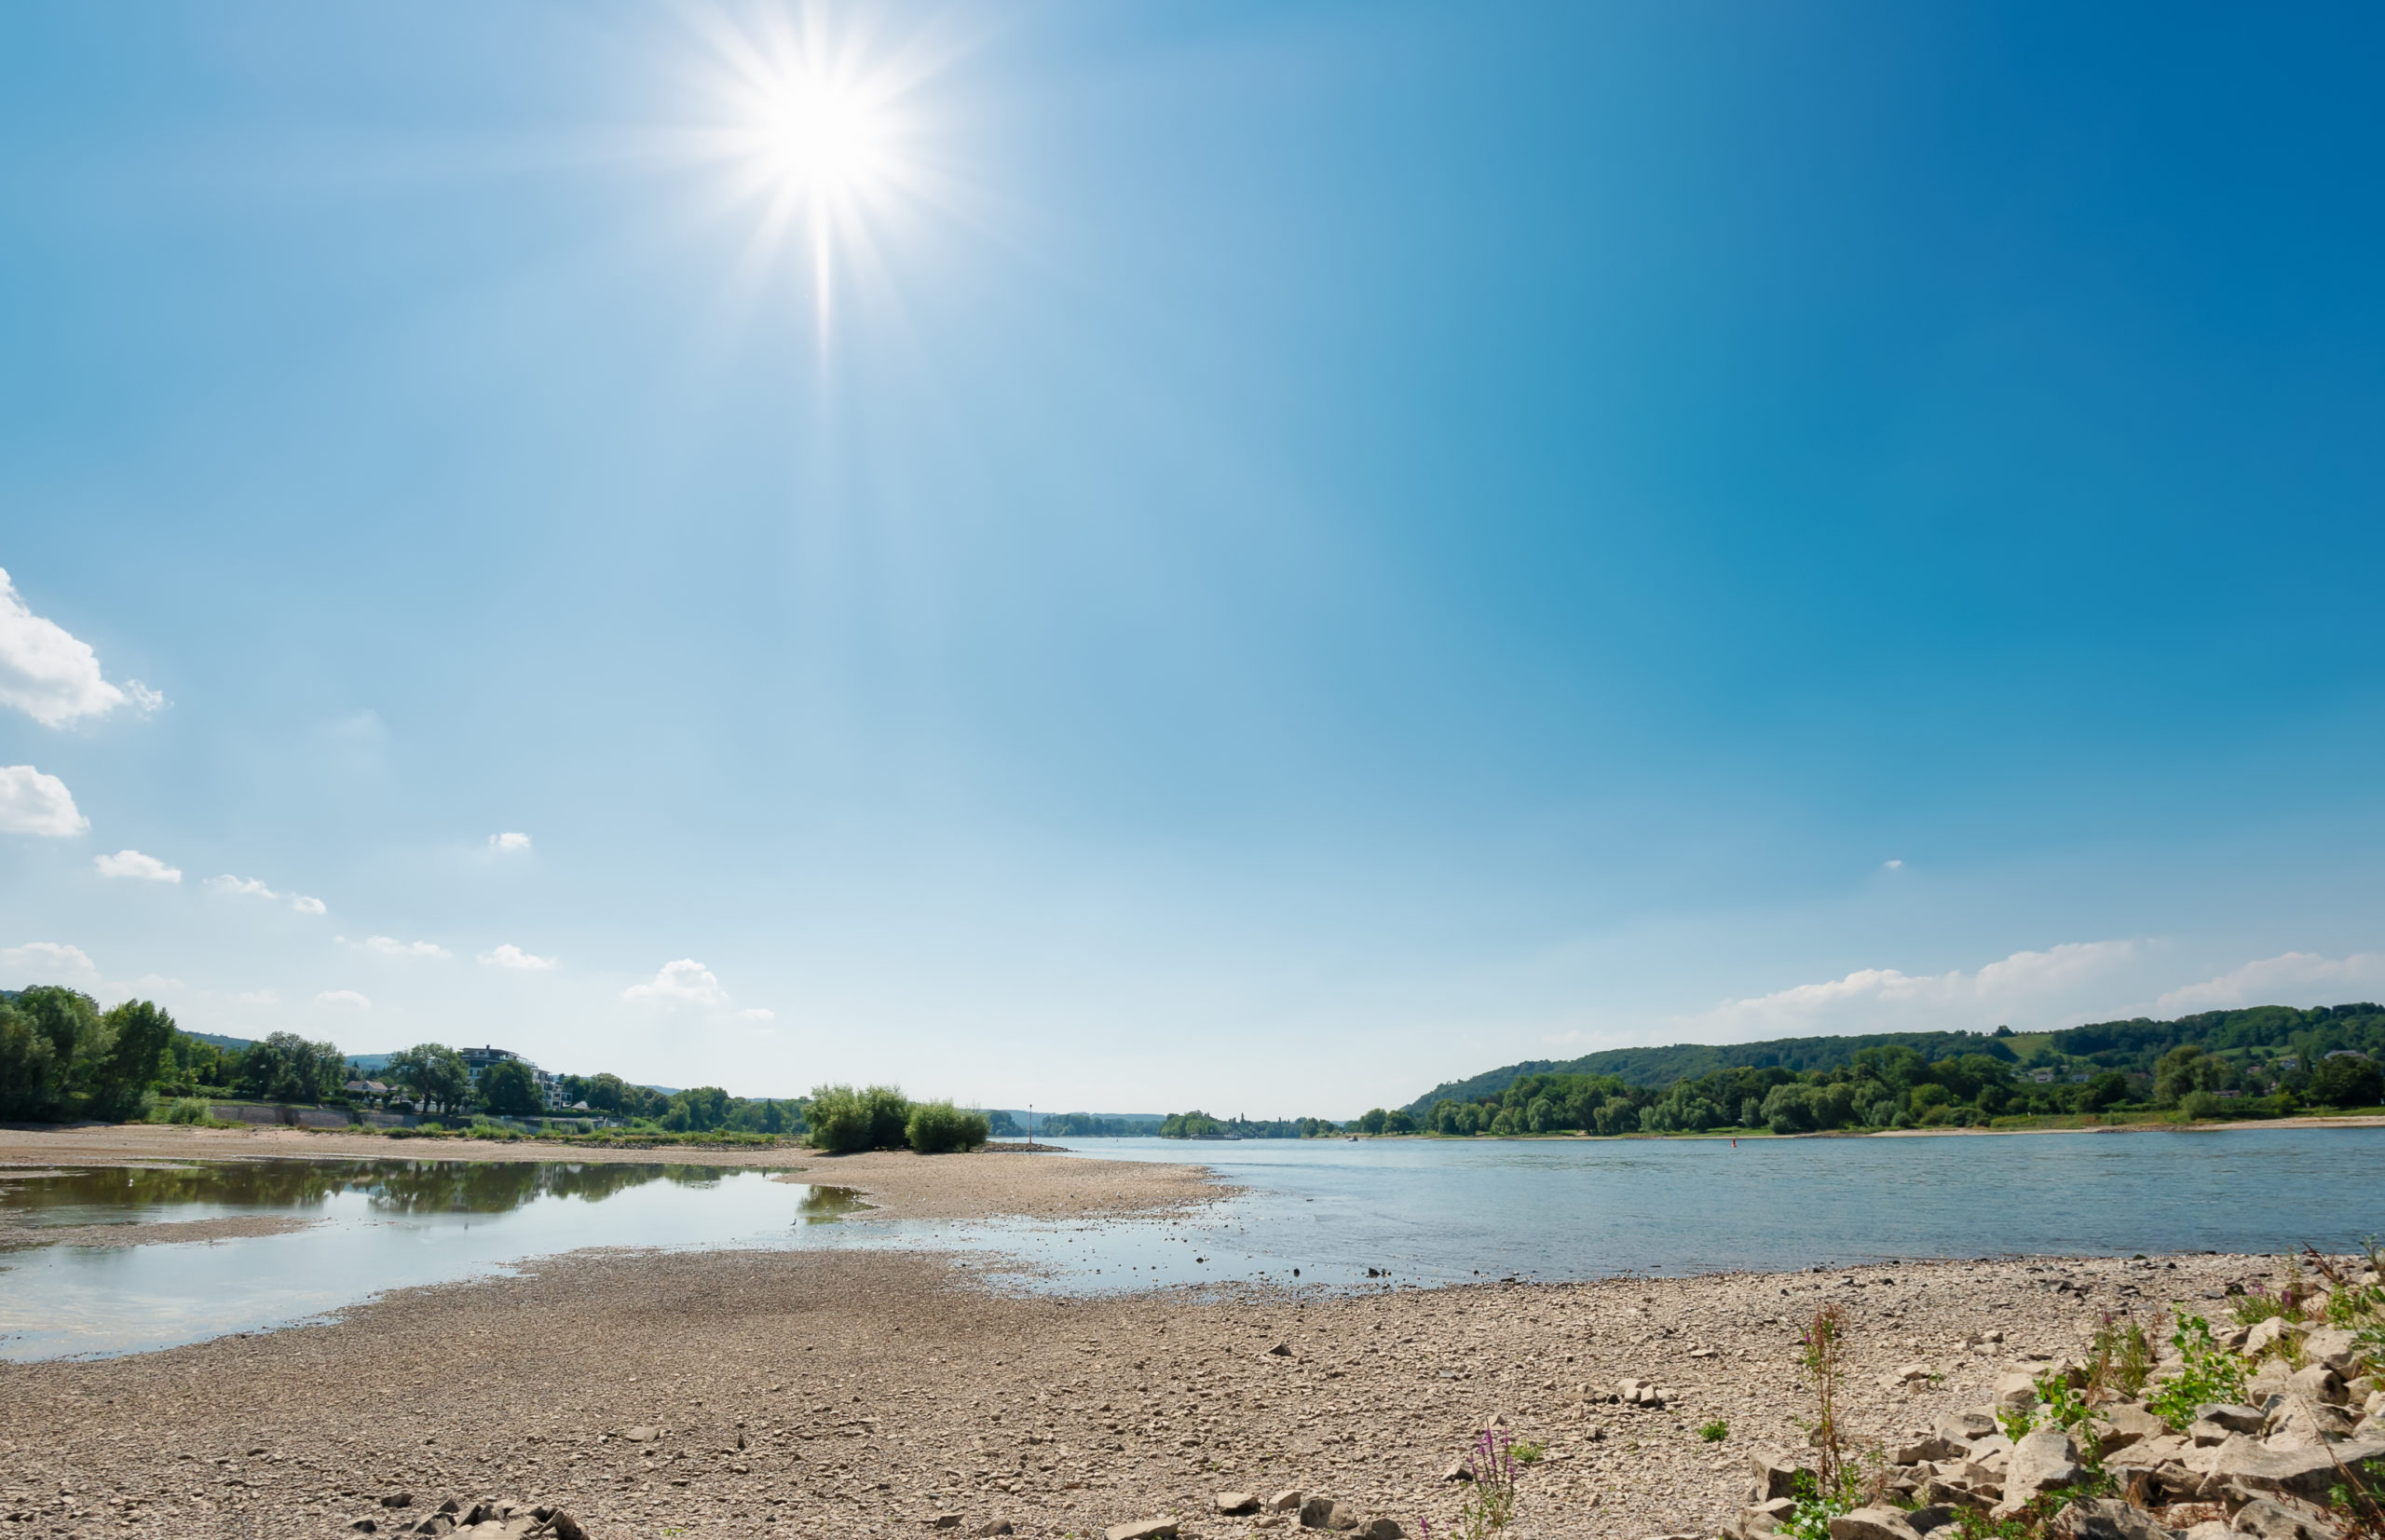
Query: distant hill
<point x="221" y="1042"/>
<point x="2132" y="1044"/>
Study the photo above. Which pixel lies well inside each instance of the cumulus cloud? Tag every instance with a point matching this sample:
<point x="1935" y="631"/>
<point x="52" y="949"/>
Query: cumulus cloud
<point x="305" y="904"/>
<point x="685" y="979"/>
<point x="51" y="676"/>
<point x="33" y="803"/>
<point x="48" y="959"/>
<point x="1896" y="865"/>
<point x="2025" y="985"/>
<point x="132" y="863"/>
<point x="2278" y="980"/>
<point x="508" y="955"/>
<point x="390" y="946"/>
<point x="344" y="997"/>
<point x="510" y="844"/>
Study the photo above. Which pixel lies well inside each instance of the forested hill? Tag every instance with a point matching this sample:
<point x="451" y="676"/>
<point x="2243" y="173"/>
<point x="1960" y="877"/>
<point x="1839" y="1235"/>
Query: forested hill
<point x="2130" y="1045"/>
<point x="1656" y="1068"/>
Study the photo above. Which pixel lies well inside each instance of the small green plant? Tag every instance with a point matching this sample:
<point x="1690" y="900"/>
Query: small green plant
<point x="1715" y="1431"/>
<point x="2206" y="1372"/>
<point x="1529" y="1453"/>
<point x="1822" y="1355"/>
<point x="2122" y="1359"/>
<point x="1491" y="1494"/>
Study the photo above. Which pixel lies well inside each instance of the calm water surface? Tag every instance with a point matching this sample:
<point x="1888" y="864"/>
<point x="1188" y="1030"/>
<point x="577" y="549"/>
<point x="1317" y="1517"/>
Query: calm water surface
<point x="1418" y="1212"/>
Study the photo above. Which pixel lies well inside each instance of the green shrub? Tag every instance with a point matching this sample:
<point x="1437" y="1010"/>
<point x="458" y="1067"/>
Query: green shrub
<point x="2207" y="1372"/>
<point x="1715" y="1431"/>
<point x="844" y="1120"/>
<point x="188" y="1110"/>
<point x="938" y="1128"/>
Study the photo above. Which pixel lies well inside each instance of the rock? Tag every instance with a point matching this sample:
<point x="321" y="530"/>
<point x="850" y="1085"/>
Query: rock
<point x="1142" y="1529"/>
<point x="1381" y="1529"/>
<point x="944" y="1521"/>
<point x="2276" y="1521"/>
<point x="1765" y="1517"/>
<point x="1929" y="1517"/>
<point x="2210" y="1529"/>
<point x="2299" y="1425"/>
<point x="1324" y="1513"/>
<point x="992" y="1527"/>
<point x="1236" y="1502"/>
<point x="2268" y="1381"/>
<point x="1288" y="1500"/>
<point x="2301" y="1472"/>
<point x="563" y="1526"/>
<point x="1932" y="1447"/>
<point x="2015" y="1390"/>
<point x="397" y="1500"/>
<point x="1281" y="1350"/>
<point x="642" y="1434"/>
<point x="2264" y="1336"/>
<point x="2316" y="1384"/>
<point x="2124" y="1424"/>
<point x="2206" y="1434"/>
<point x="1872" y="1524"/>
<point x="1963" y="1427"/>
<point x="2109" y="1518"/>
<point x="2231" y="1416"/>
<point x="2330" y="1345"/>
<point x="1458" y="1471"/>
<point x="2044" y="1461"/>
<point x="364" y="1526"/>
<point x="1775" y="1475"/>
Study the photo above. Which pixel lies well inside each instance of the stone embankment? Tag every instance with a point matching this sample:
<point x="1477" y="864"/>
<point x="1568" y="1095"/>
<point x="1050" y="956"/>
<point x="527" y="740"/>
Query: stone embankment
<point x="2278" y="1464"/>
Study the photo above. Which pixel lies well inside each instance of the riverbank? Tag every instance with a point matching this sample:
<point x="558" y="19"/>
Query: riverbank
<point x="2085" y="1124"/>
<point x="868" y="1392"/>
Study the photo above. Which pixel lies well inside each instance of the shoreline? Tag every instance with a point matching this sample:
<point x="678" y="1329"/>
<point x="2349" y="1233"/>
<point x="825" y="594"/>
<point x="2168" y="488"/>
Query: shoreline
<point x="2353" y="1120"/>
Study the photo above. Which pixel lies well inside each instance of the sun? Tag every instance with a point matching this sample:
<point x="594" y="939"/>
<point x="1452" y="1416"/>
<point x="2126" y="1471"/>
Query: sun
<point x="823" y="140"/>
<point x="816" y="128"/>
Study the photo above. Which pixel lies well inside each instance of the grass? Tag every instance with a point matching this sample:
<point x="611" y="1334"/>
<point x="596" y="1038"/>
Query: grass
<point x="1715" y="1431"/>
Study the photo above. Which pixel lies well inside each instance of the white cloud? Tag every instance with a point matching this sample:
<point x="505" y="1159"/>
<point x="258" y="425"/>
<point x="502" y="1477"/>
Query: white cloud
<point x="2027" y="984"/>
<point x="51" y="957"/>
<point x="1897" y="866"/>
<point x="510" y="956"/>
<point x="344" y="997"/>
<point x="257" y="996"/>
<point x="390" y="946"/>
<point x="245" y="887"/>
<point x="757" y="1012"/>
<point x="685" y="979"/>
<point x="305" y="904"/>
<point x="2277" y="981"/>
<point x="509" y="843"/>
<point x="49" y="675"/>
<point x="147" y="868"/>
<point x="33" y="803"/>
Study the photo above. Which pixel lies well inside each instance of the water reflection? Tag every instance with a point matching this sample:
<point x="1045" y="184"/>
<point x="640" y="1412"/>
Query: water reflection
<point x="827" y="1205"/>
<point x="142" y="1194"/>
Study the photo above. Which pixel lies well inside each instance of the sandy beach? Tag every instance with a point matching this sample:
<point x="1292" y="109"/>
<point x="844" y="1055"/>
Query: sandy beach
<point x="877" y="1393"/>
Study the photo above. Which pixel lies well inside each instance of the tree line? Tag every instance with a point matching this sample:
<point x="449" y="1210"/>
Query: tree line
<point x="1200" y="1125"/>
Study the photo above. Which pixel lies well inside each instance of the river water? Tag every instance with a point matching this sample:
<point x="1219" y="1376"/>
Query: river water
<point x="1314" y="1213"/>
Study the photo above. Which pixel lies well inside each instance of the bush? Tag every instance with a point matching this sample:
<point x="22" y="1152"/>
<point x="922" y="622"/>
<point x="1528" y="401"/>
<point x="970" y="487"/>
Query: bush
<point x="188" y="1109"/>
<point x="844" y="1120"/>
<point x="938" y="1128"/>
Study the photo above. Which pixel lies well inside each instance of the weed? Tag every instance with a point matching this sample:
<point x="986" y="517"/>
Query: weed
<point x="2206" y="1372"/>
<point x="1715" y="1431"/>
<point x="1530" y="1454"/>
<point x="2122" y="1359"/>
<point x="1491" y="1496"/>
<point x="1822" y="1355"/>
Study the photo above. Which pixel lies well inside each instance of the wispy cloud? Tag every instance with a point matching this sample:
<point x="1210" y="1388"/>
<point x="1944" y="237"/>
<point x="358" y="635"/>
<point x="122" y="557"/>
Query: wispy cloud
<point x="250" y="887"/>
<point x="33" y="803"/>
<point x="508" y="955"/>
<point x="390" y="946"/>
<point x="344" y="997"/>
<point x="50" y="675"/>
<point x="257" y="996"/>
<point x="132" y="863"/>
<point x="685" y="979"/>
<point x="512" y="843"/>
<point x="2286" y="979"/>
<point x="2031" y="985"/>
<point x="758" y="1012"/>
<point x="46" y="961"/>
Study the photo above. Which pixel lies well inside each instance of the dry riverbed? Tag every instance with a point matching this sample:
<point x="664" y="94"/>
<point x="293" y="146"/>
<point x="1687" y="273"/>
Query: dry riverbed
<point x="813" y="1393"/>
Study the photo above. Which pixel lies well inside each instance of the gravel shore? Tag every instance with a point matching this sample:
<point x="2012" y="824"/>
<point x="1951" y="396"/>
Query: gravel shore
<point x="846" y="1393"/>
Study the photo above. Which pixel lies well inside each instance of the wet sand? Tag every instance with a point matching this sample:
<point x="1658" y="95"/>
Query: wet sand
<point x="871" y="1392"/>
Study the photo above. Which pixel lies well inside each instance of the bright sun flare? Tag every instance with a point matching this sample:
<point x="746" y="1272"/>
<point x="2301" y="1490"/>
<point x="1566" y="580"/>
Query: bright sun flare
<point x="822" y="139"/>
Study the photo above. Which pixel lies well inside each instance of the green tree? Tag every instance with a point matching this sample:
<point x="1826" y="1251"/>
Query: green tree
<point x="1372" y="1120"/>
<point x="60" y="1057"/>
<point x="844" y="1120"/>
<point x="1398" y="1122"/>
<point x="435" y="1074"/>
<point x="2347" y="1082"/>
<point x="285" y="1067"/>
<point x="939" y="1127"/>
<point x="138" y="1036"/>
<point x="509" y="1088"/>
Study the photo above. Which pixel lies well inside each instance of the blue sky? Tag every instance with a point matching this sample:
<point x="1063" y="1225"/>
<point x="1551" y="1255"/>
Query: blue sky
<point x="1304" y="550"/>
